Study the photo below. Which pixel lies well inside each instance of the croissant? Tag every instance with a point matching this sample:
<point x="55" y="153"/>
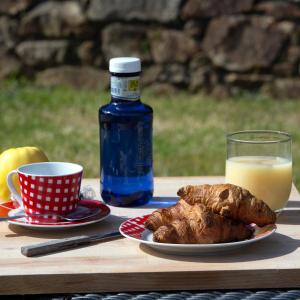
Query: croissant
<point x="165" y="216"/>
<point x="201" y="227"/>
<point x="230" y="201"/>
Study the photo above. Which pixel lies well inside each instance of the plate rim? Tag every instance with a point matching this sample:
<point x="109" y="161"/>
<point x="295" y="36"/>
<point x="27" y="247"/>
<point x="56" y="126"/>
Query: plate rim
<point x="198" y="246"/>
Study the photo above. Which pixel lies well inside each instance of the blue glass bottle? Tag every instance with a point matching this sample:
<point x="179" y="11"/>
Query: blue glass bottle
<point x="126" y="174"/>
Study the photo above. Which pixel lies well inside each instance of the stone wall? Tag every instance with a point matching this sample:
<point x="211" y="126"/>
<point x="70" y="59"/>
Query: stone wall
<point x="213" y="46"/>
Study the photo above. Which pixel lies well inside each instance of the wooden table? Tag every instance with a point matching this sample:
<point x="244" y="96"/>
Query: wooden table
<point x="124" y="265"/>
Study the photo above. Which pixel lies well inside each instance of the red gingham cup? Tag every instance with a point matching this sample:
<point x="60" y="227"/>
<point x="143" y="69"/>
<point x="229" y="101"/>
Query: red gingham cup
<point x="47" y="187"/>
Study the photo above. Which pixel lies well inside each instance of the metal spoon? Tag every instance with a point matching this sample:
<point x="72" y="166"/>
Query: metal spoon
<point x="66" y="218"/>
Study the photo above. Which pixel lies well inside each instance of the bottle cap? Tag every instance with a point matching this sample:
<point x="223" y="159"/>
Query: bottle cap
<point x="125" y="65"/>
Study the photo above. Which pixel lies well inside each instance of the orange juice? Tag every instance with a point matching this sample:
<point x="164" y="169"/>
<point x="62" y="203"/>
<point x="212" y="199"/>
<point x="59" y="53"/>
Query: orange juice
<point x="266" y="177"/>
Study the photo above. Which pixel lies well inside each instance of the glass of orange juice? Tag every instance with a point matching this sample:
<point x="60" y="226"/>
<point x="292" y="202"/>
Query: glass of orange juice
<point x="261" y="162"/>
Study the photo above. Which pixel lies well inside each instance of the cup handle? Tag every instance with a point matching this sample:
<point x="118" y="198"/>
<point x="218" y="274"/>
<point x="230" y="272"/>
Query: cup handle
<point x="12" y="188"/>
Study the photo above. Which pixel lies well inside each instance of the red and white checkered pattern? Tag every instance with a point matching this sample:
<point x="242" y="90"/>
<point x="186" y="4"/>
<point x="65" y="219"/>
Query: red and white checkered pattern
<point x="134" y="227"/>
<point x="50" y="194"/>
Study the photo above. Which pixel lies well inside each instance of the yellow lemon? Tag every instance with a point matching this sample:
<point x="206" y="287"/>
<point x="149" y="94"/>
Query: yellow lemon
<point x="12" y="159"/>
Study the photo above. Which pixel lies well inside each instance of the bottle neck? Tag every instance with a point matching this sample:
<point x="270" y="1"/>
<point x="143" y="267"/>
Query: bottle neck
<point x="125" y="86"/>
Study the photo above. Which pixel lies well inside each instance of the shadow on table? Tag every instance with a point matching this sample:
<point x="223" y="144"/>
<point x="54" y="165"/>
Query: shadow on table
<point x="275" y="246"/>
<point x="158" y="202"/>
<point x="111" y="223"/>
<point x="289" y="216"/>
<point x="293" y="203"/>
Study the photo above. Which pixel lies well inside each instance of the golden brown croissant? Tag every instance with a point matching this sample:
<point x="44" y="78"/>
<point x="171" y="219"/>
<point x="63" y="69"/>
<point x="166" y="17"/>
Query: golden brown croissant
<point x="230" y="201"/>
<point x="202" y="226"/>
<point x="165" y="216"/>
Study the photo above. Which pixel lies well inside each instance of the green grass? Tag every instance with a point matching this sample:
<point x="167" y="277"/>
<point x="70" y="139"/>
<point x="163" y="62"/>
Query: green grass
<point x="189" y="130"/>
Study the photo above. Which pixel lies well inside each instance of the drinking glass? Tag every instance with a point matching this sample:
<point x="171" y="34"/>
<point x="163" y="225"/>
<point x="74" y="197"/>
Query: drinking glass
<point x="261" y="162"/>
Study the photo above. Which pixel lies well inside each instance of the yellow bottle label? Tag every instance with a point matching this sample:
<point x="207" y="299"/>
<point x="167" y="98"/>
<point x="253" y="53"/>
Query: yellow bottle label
<point x="133" y="85"/>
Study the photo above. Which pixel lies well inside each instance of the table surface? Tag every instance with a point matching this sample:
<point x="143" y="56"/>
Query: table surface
<point x="125" y="265"/>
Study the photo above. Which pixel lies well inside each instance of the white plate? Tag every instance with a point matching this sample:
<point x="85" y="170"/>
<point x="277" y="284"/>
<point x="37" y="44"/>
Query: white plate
<point x="85" y="207"/>
<point x="135" y="230"/>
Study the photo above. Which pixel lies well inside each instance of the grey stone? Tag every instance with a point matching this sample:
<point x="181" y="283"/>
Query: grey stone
<point x="289" y="66"/>
<point x="198" y="61"/>
<point x="263" y="22"/>
<point x="85" y="52"/>
<point x="248" y="81"/>
<point x="286" y="27"/>
<point x="213" y="8"/>
<point x="202" y="76"/>
<point x="221" y="92"/>
<point x="42" y="53"/>
<point x="9" y="65"/>
<point x="8" y="29"/>
<point x="53" y="19"/>
<point x="240" y="44"/>
<point x="151" y="75"/>
<point x="195" y="28"/>
<point x="199" y="79"/>
<point x="79" y="77"/>
<point x="144" y="10"/>
<point x="170" y="73"/>
<point x="164" y="89"/>
<point x="288" y="88"/>
<point x="125" y="40"/>
<point x="285" y="69"/>
<point x="202" y="79"/>
<point x="84" y="3"/>
<point x="175" y="73"/>
<point x="13" y="7"/>
<point x="172" y="46"/>
<point x="279" y="9"/>
<point x="99" y="60"/>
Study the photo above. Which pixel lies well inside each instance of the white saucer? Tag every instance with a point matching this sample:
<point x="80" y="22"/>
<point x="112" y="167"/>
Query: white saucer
<point x="85" y="207"/>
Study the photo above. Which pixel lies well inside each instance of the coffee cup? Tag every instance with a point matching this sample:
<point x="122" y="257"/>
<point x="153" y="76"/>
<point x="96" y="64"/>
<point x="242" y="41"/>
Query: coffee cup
<point x="47" y="187"/>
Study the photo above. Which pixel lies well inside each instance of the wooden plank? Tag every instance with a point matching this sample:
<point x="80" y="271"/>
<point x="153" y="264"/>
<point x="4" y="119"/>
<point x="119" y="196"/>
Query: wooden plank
<point x="123" y="265"/>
